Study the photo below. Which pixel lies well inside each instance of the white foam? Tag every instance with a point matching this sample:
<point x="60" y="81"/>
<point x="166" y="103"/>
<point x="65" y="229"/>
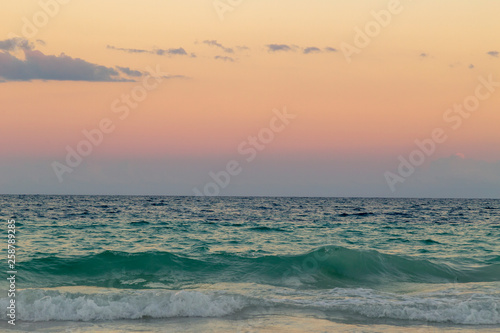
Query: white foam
<point x="443" y="306"/>
<point x="132" y="282"/>
<point x="440" y="307"/>
<point x="47" y="305"/>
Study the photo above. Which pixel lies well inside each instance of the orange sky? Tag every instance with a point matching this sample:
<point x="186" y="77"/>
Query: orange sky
<point x="395" y="90"/>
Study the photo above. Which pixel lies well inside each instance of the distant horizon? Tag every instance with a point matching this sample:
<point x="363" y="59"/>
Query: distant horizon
<point x="242" y="196"/>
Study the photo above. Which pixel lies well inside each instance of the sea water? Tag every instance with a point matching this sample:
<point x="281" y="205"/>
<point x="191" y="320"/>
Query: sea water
<point x="242" y="264"/>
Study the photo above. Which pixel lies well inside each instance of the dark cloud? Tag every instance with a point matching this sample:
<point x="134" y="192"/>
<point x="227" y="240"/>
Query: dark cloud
<point x="15" y="43"/>
<point x="223" y="58"/>
<point x="130" y="72"/>
<point x="219" y="45"/>
<point x="278" y="47"/>
<point x="493" y="54"/>
<point x="423" y="55"/>
<point x="330" y="49"/>
<point x="38" y="66"/>
<point x="160" y="52"/>
<point x="8" y="45"/>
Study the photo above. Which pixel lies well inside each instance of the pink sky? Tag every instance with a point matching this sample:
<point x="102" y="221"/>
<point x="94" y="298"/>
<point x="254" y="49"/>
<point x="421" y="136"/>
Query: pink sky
<point x="355" y="112"/>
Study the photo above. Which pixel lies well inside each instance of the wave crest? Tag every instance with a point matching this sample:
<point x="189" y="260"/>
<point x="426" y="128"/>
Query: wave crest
<point x="325" y="267"/>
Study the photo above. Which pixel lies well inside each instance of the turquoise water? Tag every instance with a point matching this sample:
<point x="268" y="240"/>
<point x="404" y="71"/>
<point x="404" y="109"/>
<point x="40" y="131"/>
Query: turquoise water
<point x="399" y="262"/>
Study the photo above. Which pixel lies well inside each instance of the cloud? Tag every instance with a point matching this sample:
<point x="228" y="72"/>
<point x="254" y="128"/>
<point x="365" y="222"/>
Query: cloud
<point x="179" y="51"/>
<point x="223" y="58"/>
<point x="14" y="44"/>
<point x="127" y="50"/>
<point x="292" y="48"/>
<point x="471" y="66"/>
<point x="494" y="53"/>
<point x="38" y="66"/>
<point x="278" y="47"/>
<point x="219" y="45"/>
<point x="423" y="55"/>
<point x="160" y="52"/>
<point x="312" y="49"/>
<point x="129" y="71"/>
<point x="136" y="73"/>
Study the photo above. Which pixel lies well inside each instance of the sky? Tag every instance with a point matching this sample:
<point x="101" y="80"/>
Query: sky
<point x="262" y="97"/>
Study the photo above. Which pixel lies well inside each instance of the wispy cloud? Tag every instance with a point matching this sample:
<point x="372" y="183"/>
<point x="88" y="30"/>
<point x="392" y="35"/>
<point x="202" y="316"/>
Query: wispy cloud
<point x="219" y="45"/>
<point x="135" y="73"/>
<point x="128" y="50"/>
<point x="179" y="51"/>
<point x="278" y="47"/>
<point x="494" y="53"/>
<point x="292" y="48"/>
<point x="311" y="49"/>
<point x="172" y="51"/>
<point x="130" y="72"/>
<point x="330" y="49"/>
<point x="314" y="49"/>
<point x="224" y="58"/>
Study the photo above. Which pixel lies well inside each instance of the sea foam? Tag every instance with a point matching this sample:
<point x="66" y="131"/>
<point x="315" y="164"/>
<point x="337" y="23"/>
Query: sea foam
<point x="50" y="305"/>
<point x="439" y="307"/>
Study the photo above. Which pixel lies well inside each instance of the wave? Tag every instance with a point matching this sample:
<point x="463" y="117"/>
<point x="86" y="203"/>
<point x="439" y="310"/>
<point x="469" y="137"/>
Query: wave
<point x="445" y="306"/>
<point x="325" y="267"/>
<point x="441" y="307"/>
<point x="50" y="305"/>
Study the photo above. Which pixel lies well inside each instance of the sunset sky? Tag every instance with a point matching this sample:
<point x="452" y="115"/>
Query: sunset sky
<point x="357" y="102"/>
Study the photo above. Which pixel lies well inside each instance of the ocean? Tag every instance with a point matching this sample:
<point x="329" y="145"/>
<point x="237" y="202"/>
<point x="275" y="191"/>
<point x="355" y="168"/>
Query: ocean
<point x="252" y="264"/>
